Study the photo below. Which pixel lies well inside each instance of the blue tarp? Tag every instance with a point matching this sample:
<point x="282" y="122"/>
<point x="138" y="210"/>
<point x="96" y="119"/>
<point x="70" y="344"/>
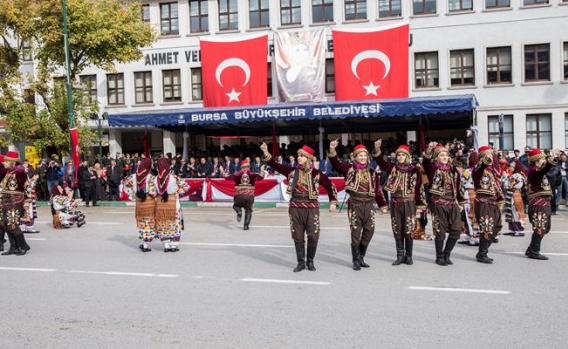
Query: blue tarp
<point x="416" y="106"/>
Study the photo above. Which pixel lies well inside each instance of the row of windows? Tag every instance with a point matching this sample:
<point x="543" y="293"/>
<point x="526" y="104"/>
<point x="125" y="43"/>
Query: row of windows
<point x="291" y="12"/>
<point x="498" y="70"/>
<point x="538" y="135"/>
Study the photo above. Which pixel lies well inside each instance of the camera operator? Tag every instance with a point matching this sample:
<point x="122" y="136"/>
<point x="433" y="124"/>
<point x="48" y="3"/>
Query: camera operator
<point x="52" y="175"/>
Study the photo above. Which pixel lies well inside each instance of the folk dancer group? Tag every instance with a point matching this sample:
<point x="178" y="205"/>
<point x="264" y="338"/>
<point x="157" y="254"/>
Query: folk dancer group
<point x="158" y="208"/>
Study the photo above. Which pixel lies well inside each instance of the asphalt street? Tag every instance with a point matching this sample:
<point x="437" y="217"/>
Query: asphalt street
<point x="91" y="287"/>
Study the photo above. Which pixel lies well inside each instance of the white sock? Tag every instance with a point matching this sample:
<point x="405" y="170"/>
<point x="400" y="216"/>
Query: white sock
<point x="167" y="244"/>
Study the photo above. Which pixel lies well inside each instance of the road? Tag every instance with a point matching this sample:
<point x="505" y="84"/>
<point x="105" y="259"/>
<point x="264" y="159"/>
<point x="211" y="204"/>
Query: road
<point x="91" y="287"/>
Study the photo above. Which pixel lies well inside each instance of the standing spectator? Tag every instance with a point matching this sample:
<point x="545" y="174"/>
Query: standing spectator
<point x="82" y="168"/>
<point x="292" y="161"/>
<point x="325" y="167"/>
<point x="89" y="178"/>
<point x="525" y="157"/>
<point x="52" y="175"/>
<point x="101" y="182"/>
<point x="69" y="174"/>
<point x="114" y="175"/>
<point x="554" y="177"/>
<point x="562" y="189"/>
<point x="43" y="194"/>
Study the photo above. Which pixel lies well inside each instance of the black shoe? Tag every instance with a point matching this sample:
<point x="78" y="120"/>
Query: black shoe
<point x="301" y="266"/>
<point x="87" y="205"/>
<point x="166" y="250"/>
<point x="484" y="259"/>
<point x="310" y="266"/>
<point x="356" y="264"/>
<point x="239" y="216"/>
<point x="408" y="260"/>
<point x="441" y="261"/>
<point x="144" y="249"/>
<point x="96" y="205"/>
<point x="7" y="253"/>
<point x="536" y="255"/>
<point x="21" y="251"/>
<point x="174" y="249"/>
<point x="80" y="224"/>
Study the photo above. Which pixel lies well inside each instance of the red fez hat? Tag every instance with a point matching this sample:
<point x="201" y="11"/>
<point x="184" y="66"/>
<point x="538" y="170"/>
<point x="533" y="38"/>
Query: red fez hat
<point x="307" y="152"/>
<point x="358" y="149"/>
<point x="12" y="155"/>
<point x="1" y="158"/>
<point x="245" y="163"/>
<point x="483" y="149"/>
<point x="535" y="155"/>
<point x="405" y="150"/>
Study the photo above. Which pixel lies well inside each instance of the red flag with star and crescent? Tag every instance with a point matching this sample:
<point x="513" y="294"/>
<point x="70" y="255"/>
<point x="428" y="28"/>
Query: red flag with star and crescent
<point x="371" y="63"/>
<point x="234" y="72"/>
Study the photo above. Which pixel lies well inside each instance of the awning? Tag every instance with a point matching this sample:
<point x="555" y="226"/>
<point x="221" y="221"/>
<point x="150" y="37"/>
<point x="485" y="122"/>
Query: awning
<point x="355" y="116"/>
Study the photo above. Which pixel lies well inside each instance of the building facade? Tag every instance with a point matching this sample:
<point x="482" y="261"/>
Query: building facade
<point x="511" y="54"/>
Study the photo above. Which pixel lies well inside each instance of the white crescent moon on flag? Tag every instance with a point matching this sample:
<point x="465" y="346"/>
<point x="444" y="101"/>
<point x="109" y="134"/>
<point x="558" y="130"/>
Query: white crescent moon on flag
<point x="232" y="62"/>
<point x="370" y="54"/>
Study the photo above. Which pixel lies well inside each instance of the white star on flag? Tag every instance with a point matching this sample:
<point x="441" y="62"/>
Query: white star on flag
<point x="371" y="89"/>
<point x="234" y="95"/>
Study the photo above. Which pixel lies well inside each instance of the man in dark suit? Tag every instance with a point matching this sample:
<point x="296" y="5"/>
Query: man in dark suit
<point x="89" y="178"/>
<point x="235" y="166"/>
<point x="204" y="169"/>
<point x="114" y="175"/>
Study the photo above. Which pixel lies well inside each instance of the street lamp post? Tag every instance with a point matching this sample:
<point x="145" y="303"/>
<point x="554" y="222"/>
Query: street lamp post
<point x="100" y="120"/>
<point x="68" y="70"/>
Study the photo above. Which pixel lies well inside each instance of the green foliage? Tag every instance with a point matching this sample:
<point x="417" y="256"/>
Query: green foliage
<point x="101" y="33"/>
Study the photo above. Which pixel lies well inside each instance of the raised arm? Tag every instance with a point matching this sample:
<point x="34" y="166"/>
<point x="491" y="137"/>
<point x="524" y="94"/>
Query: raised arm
<point x="387" y="166"/>
<point x="284" y="169"/>
<point x="334" y="161"/>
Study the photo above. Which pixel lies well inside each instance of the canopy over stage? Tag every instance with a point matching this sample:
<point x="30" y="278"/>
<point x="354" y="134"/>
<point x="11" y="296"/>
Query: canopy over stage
<point x="445" y="112"/>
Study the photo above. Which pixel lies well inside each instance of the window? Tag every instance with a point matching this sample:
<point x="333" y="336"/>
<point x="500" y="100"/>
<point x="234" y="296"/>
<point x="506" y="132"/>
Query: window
<point x="537" y="63"/>
<point x="389" y="8"/>
<point x="534" y="2"/>
<point x="198" y="16"/>
<point x="462" y="69"/>
<point x="26" y="51"/>
<point x="89" y="83"/>
<point x="269" y="81"/>
<point x="115" y="89"/>
<point x="228" y="15"/>
<point x="423" y="7"/>
<point x="499" y="65"/>
<point x="539" y="131"/>
<point x="329" y="76"/>
<point x="196" y="84"/>
<point x="355" y="9"/>
<point x="290" y="12"/>
<point x="426" y="70"/>
<point x="493" y="127"/>
<point x="171" y="81"/>
<point x="143" y="87"/>
<point x="146" y="13"/>
<point x="169" y="18"/>
<point x="258" y="14"/>
<point x="322" y="11"/>
<point x="565" y="60"/>
<point x="489" y="4"/>
<point x="460" y="5"/>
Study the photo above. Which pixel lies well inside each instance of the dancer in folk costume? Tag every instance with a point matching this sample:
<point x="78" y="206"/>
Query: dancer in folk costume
<point x="64" y="208"/>
<point x="403" y="183"/>
<point x="27" y="222"/>
<point x="514" y="183"/>
<point x="167" y="188"/>
<point x="244" y="191"/>
<point x="13" y="179"/>
<point x="136" y="187"/>
<point x="470" y="234"/>
<point x="303" y="184"/>
<point x="360" y="184"/>
<point x="489" y="199"/>
<point x="422" y="219"/>
<point x="540" y="195"/>
<point x="446" y="200"/>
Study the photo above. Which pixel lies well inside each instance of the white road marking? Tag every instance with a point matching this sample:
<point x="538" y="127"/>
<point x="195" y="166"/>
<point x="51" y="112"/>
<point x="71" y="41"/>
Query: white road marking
<point x="233" y="245"/>
<point x="285" y="227"/>
<point x="88" y="222"/>
<point x="287" y="281"/>
<point x="36" y="239"/>
<point x="451" y="289"/>
<point x="544" y="253"/>
<point x="28" y="269"/>
<point x="121" y="273"/>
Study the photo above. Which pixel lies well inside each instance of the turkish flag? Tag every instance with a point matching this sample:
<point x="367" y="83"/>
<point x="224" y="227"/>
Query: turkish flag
<point x="371" y="63"/>
<point x="234" y="72"/>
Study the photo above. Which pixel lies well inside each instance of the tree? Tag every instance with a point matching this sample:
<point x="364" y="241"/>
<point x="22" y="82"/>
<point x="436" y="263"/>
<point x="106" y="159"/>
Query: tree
<point x="101" y="34"/>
